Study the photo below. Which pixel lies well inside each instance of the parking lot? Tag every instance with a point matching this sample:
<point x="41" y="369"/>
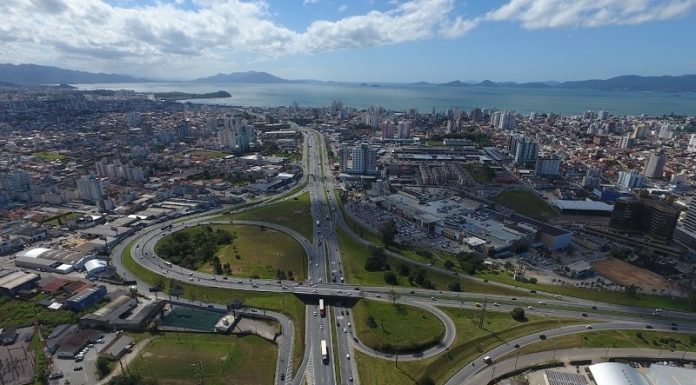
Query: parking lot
<point x="407" y="233"/>
<point x="82" y="372"/>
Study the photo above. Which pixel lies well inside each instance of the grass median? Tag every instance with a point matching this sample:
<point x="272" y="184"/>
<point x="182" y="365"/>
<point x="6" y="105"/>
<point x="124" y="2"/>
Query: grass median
<point x="292" y="213"/>
<point x="471" y="341"/>
<point x="634" y="339"/>
<point x="284" y="303"/>
<point x="389" y="328"/>
<point x="616" y="297"/>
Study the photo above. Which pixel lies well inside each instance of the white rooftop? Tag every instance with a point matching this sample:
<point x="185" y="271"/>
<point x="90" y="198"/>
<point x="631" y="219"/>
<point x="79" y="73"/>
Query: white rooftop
<point x="589" y="205"/>
<point x="613" y="373"/>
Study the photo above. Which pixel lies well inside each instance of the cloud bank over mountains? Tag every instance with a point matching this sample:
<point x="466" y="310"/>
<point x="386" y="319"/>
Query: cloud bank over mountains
<point x="204" y="35"/>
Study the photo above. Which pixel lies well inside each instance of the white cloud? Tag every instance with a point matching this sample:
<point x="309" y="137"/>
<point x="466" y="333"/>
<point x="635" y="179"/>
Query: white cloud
<point x="459" y="27"/>
<point x="185" y="41"/>
<point x="165" y="34"/>
<point x="537" y="14"/>
<point x="305" y="2"/>
<point x="343" y="8"/>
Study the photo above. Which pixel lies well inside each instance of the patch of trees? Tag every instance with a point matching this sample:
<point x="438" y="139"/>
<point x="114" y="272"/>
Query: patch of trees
<point x="282" y="275"/>
<point x="388" y="231"/>
<point x="195" y="247"/>
<point x="518" y="314"/>
<point x="377" y="261"/>
<point x="420" y="277"/>
<point x="469" y="262"/>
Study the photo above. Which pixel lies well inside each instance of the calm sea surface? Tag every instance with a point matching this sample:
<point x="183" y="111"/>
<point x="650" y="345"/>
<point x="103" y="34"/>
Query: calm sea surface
<point x="425" y="97"/>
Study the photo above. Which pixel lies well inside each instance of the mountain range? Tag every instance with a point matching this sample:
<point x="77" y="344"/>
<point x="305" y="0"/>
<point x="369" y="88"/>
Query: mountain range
<point x="33" y="75"/>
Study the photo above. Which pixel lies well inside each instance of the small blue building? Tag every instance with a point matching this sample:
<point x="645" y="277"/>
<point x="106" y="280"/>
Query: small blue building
<point x="85" y="298"/>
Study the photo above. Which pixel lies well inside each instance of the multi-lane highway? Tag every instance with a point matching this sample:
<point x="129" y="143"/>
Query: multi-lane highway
<point x="325" y="281"/>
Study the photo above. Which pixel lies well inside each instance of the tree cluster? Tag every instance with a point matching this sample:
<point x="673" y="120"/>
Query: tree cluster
<point x="282" y="275"/>
<point x="420" y="277"/>
<point x="194" y="247"/>
<point x="377" y="261"/>
<point x="469" y="262"/>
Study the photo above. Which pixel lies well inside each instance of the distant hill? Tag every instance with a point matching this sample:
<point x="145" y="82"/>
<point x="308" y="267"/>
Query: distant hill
<point x="243" y="77"/>
<point x="8" y="84"/>
<point x="32" y="74"/>
<point x="684" y="83"/>
<point x="639" y="83"/>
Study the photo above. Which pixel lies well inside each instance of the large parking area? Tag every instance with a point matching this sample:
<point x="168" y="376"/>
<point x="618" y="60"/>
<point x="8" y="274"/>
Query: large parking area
<point x="80" y="372"/>
<point x="407" y="233"/>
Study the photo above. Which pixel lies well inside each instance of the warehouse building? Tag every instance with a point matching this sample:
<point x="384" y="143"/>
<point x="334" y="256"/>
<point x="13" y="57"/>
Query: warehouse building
<point x="12" y="282"/>
<point x="613" y="373"/>
<point x="115" y="349"/>
<point x="123" y="313"/>
<point x="41" y="264"/>
<point x="86" y="298"/>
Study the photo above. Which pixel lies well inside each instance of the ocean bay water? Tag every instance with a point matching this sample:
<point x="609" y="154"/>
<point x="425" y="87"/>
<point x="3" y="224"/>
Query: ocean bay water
<point x="426" y="97"/>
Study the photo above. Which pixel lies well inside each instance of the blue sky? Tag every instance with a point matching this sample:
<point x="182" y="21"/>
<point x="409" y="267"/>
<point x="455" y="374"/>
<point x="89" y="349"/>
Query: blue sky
<point x="357" y="40"/>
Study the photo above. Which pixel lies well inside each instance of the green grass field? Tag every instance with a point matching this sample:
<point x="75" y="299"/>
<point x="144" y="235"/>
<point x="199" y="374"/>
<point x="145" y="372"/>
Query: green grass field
<point x="470" y="342"/>
<point x="396" y="327"/>
<point x="56" y="221"/>
<point x="261" y="252"/>
<point x="291" y="213"/>
<point x="171" y="358"/>
<point x="614" y="339"/>
<point x="526" y="203"/>
<point x="284" y="303"/>
<point x="620" y="298"/>
<point x="49" y="155"/>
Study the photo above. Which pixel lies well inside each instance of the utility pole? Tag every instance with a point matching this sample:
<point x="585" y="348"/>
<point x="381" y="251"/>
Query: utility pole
<point x="483" y="312"/>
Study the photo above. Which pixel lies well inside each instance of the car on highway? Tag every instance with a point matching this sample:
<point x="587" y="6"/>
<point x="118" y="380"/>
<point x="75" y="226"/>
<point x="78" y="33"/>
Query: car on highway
<point x="487" y="360"/>
<point x="648" y="326"/>
<point x="345" y="330"/>
<point x="282" y="376"/>
<point x="347" y="356"/>
<point x="588" y="327"/>
<point x="315" y="314"/>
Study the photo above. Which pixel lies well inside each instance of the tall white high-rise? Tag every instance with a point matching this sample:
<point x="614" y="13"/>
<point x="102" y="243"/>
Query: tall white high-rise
<point x="526" y="150"/>
<point x="91" y="188"/>
<point x="692" y="144"/>
<point x="630" y="179"/>
<point x="548" y="166"/>
<point x="507" y="121"/>
<point x="655" y="165"/>
<point x="404" y="129"/>
<point x="364" y="159"/>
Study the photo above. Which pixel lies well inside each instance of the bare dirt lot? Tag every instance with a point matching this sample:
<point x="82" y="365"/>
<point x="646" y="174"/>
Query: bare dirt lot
<point x="626" y="274"/>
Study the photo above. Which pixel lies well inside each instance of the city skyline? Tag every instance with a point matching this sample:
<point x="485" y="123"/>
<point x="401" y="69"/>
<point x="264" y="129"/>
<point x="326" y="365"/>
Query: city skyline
<point x="436" y="41"/>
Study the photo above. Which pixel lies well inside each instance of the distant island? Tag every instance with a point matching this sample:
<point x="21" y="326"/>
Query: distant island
<point x="24" y="75"/>
<point x="174" y="96"/>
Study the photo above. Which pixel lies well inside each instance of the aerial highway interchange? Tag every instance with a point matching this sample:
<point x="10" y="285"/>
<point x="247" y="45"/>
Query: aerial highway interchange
<point x="326" y="282"/>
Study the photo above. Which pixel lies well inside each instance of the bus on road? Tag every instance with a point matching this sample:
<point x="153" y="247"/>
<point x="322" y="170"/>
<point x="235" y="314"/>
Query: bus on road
<point x="168" y="264"/>
<point x="324" y="352"/>
<point x="322" y="309"/>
